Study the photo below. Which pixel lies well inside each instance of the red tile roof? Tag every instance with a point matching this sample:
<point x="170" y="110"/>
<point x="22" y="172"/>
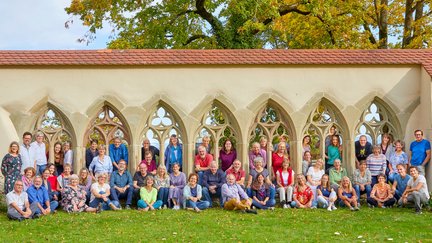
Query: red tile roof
<point x="217" y="57"/>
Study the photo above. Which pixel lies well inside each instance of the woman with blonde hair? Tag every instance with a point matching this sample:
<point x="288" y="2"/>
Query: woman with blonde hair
<point x="162" y="184"/>
<point x="347" y="194"/>
<point x="285" y="182"/>
<point x="302" y="196"/>
<point x="326" y="194"/>
<point x="314" y="176"/>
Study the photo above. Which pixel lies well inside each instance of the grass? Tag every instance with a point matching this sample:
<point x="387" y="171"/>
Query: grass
<point x="217" y="225"/>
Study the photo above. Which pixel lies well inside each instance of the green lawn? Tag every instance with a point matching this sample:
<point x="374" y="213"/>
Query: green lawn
<point x="217" y="225"/>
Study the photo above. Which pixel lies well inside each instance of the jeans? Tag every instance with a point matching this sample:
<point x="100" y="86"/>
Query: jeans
<point x="398" y="194"/>
<point x="323" y="202"/>
<point x="163" y="195"/>
<point x="207" y="196"/>
<point x="199" y="204"/>
<point x="116" y="195"/>
<point x="367" y="190"/>
<point x="40" y="169"/>
<point x="142" y="204"/>
<point x="53" y="206"/>
<point x="200" y="177"/>
<point x="105" y="205"/>
<point x="374" y="180"/>
<point x="270" y="203"/>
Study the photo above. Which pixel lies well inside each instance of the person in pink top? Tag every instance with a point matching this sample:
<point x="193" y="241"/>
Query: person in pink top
<point x="278" y="157"/>
<point x="202" y="162"/>
<point x="151" y="164"/>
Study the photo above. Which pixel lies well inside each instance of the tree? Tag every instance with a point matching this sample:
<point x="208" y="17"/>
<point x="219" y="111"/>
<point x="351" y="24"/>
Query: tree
<point x="258" y="23"/>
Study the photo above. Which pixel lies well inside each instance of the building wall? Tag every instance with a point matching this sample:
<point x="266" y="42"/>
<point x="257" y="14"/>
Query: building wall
<point x="190" y="90"/>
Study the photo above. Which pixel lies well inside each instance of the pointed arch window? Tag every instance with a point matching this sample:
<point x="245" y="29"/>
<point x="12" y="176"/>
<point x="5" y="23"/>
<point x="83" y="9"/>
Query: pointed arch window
<point x="375" y="121"/>
<point x="321" y="124"/>
<point x="106" y="126"/>
<point x="160" y="126"/>
<point x="217" y="124"/>
<point x="55" y="128"/>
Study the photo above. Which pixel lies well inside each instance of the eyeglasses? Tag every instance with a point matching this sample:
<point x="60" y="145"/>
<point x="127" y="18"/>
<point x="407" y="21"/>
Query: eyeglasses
<point x="418" y="134"/>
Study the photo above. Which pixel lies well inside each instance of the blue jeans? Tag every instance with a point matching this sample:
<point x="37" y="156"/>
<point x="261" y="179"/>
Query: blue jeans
<point x="200" y="177"/>
<point x="398" y="194"/>
<point x="272" y="190"/>
<point x="199" y="204"/>
<point x="40" y="169"/>
<point x="105" y="205"/>
<point x="163" y="195"/>
<point x="142" y="204"/>
<point x="53" y="206"/>
<point x="116" y="195"/>
<point x="367" y="190"/>
<point x="270" y="203"/>
<point x="207" y="196"/>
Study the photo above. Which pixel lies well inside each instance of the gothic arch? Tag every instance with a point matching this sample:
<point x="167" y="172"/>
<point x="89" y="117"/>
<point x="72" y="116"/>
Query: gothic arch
<point x="219" y="123"/>
<point x="55" y="126"/>
<point x="163" y="121"/>
<point x="377" y="118"/>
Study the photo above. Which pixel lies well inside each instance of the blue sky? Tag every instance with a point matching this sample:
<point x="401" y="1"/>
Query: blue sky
<point x="40" y="25"/>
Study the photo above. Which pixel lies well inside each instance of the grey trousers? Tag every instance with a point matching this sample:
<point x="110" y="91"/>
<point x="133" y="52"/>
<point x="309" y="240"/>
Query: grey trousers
<point x="14" y="214"/>
<point x="417" y="198"/>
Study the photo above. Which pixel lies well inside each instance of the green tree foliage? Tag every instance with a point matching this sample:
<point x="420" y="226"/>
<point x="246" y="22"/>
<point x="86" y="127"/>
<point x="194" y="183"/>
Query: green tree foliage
<point x="259" y="23"/>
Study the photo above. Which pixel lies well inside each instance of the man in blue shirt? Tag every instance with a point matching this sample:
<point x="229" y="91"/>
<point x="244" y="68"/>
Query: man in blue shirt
<point x="400" y="181"/>
<point x="212" y="182"/>
<point x="117" y="152"/>
<point x="39" y="194"/>
<point x="420" y="152"/>
<point x="121" y="184"/>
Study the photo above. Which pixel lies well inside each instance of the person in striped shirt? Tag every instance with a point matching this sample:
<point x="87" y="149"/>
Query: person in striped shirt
<point x="376" y="163"/>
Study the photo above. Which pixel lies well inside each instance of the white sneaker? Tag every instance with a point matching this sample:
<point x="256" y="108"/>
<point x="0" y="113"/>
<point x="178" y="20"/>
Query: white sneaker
<point x="334" y="207"/>
<point x="176" y="207"/>
<point x="329" y="209"/>
<point x="285" y="206"/>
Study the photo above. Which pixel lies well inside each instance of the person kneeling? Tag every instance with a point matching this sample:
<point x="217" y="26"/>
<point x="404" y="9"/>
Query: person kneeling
<point x="148" y="195"/>
<point x="302" y="196"/>
<point x="192" y="193"/>
<point x="261" y="194"/>
<point x="234" y="197"/>
<point x="381" y="195"/>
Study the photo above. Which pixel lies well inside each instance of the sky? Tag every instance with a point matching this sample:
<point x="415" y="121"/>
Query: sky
<point x="40" y="25"/>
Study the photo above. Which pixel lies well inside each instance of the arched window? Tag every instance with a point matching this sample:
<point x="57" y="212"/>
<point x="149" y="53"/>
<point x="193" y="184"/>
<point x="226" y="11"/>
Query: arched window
<point x="160" y="126"/>
<point x="271" y="123"/>
<point x="106" y="126"/>
<point x="55" y="127"/>
<point x="321" y="123"/>
<point x="375" y="121"/>
<point x="218" y="124"/>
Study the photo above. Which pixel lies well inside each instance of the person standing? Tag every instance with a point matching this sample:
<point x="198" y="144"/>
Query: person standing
<point x="420" y="152"/>
<point x="362" y="149"/>
<point x="27" y="155"/>
<point x="118" y="151"/>
<point x="39" y="151"/>
<point x="11" y="167"/>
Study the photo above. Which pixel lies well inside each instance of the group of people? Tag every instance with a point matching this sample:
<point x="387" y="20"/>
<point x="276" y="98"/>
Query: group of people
<point x="34" y="187"/>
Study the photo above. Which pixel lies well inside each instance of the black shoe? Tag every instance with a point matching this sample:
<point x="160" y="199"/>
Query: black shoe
<point x="418" y="212"/>
<point x="99" y="208"/>
<point x="251" y="211"/>
<point x="282" y="203"/>
<point x="36" y="216"/>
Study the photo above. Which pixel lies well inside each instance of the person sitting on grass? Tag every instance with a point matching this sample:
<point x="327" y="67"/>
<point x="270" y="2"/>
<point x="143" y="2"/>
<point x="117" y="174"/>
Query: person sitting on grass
<point x="18" y="204"/>
<point x="336" y="174"/>
<point x="381" y="195"/>
<point x="285" y="183"/>
<point x="100" y="192"/>
<point x="261" y="194"/>
<point x="302" y="196"/>
<point x="416" y="191"/>
<point x="347" y="194"/>
<point x="326" y="195"/>
<point x="362" y="180"/>
<point x="178" y="182"/>
<point x="162" y="184"/>
<point x="236" y="169"/>
<point x="234" y="197"/>
<point x="400" y="181"/>
<point x="39" y="194"/>
<point x="148" y="195"/>
<point x="53" y="195"/>
<point x="192" y="194"/>
<point x="139" y="179"/>
<point x="121" y="184"/>
<point x="74" y="197"/>
<point x="27" y="178"/>
<point x="259" y="162"/>
<point x="212" y="182"/>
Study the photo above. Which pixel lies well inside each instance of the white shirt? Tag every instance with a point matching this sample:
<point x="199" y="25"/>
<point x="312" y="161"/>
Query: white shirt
<point x="95" y="186"/>
<point x="68" y="157"/>
<point x="39" y="153"/>
<point x="424" y="189"/>
<point x="27" y="157"/>
<point x="19" y="199"/>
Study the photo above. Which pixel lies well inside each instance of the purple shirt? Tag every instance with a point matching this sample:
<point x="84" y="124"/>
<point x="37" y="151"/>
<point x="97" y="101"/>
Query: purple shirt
<point x="227" y="159"/>
<point x="150" y="167"/>
<point x="262" y="153"/>
<point x="230" y="191"/>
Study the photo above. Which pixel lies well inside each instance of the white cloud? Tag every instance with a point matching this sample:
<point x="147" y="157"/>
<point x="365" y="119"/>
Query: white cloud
<point x="39" y="25"/>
